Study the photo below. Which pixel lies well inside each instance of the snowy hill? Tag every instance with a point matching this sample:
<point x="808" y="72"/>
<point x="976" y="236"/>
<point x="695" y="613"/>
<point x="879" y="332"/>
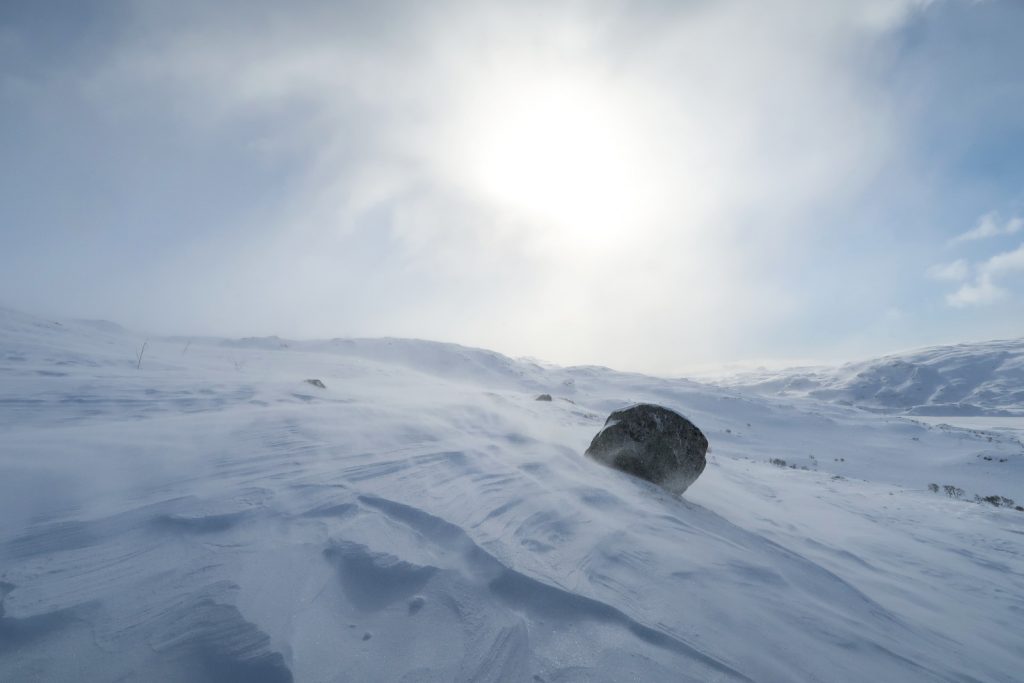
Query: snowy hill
<point x="210" y="516"/>
<point x="966" y="379"/>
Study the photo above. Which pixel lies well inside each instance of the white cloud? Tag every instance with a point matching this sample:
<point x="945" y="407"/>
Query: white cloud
<point x="956" y="271"/>
<point x="729" y="111"/>
<point x="1006" y="262"/>
<point x="984" y="290"/>
<point x="980" y="292"/>
<point x="990" y="225"/>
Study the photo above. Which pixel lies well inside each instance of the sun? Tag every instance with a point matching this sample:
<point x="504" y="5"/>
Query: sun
<point x="562" y="152"/>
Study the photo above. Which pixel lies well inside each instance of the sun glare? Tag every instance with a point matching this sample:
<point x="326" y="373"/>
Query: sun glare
<point x="561" y="153"/>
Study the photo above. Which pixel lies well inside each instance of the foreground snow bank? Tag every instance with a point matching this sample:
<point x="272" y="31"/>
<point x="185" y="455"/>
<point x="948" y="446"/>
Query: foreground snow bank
<point x="210" y="516"/>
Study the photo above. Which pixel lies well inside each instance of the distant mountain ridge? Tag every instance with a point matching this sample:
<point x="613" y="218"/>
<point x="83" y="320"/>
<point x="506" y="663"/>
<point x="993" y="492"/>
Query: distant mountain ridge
<point x="968" y="379"/>
<point x="984" y="378"/>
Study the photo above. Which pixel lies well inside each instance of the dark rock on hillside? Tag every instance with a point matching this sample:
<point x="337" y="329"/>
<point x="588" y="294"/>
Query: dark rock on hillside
<point x="653" y="443"/>
<point x="316" y="383"/>
<point x="543" y="397"/>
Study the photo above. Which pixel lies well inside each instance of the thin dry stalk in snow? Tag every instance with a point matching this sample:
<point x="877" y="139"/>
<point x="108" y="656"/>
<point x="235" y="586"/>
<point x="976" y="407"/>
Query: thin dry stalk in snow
<point x="138" y="354"/>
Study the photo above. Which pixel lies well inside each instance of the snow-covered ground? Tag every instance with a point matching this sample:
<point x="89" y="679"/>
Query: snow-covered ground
<point x="993" y="424"/>
<point x="977" y="379"/>
<point x="212" y="516"/>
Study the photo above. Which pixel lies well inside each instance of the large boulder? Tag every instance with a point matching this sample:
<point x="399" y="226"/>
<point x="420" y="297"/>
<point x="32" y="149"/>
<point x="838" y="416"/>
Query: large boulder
<point x="653" y="443"/>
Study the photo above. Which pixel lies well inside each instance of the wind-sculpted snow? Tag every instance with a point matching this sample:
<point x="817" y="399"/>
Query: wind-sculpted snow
<point x="210" y="517"/>
<point x="966" y="379"/>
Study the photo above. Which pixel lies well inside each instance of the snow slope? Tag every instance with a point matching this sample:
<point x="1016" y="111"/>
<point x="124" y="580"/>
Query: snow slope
<point x="967" y="379"/>
<point x="212" y="517"/>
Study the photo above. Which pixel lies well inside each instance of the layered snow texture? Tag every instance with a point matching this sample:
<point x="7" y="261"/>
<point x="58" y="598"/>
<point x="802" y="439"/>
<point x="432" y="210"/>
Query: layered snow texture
<point x="210" y="516"/>
<point x="966" y="379"/>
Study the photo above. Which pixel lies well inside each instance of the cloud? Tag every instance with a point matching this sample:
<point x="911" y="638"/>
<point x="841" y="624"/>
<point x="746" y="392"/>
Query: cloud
<point x="752" y="138"/>
<point x="955" y="271"/>
<point x="1006" y="262"/>
<point x="983" y="289"/>
<point x="978" y="293"/>
<point x="383" y="106"/>
<point x="990" y="225"/>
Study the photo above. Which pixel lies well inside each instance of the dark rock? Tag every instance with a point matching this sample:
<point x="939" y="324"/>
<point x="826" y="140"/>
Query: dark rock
<point x="652" y="443"/>
<point x="543" y="397"/>
<point x="416" y="604"/>
<point x="316" y="383"/>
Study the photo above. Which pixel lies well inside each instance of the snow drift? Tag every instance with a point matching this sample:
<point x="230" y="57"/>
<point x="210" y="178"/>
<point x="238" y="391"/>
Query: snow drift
<point x="210" y="516"/>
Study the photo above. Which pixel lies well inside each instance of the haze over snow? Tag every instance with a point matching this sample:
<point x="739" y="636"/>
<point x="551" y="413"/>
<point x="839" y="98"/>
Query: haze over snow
<point x="649" y="186"/>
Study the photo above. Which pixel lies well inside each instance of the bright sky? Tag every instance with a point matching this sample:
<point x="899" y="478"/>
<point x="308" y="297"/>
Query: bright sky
<point x="652" y="186"/>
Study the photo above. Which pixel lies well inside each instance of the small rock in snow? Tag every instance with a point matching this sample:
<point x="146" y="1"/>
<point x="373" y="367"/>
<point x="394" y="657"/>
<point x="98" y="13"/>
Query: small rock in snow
<point x="543" y="397"/>
<point x="316" y="383"/>
<point x="416" y="604"/>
